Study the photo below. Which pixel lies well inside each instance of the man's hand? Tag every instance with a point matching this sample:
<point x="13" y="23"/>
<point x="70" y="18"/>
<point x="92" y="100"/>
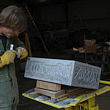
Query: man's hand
<point x="7" y="58"/>
<point x="22" y="53"/>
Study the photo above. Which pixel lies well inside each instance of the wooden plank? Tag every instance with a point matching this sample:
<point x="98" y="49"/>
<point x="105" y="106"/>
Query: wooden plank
<point x="28" y="45"/>
<point x="52" y="94"/>
<point x="59" y="95"/>
<point x="48" y="85"/>
<point x="71" y="92"/>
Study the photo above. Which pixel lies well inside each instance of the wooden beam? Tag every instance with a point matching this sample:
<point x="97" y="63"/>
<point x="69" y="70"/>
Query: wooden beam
<point x="48" y="85"/>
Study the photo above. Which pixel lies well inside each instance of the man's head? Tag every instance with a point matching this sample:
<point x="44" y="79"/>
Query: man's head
<point x="13" y="18"/>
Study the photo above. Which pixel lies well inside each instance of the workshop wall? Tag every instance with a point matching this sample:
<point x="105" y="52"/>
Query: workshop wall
<point x="81" y="14"/>
<point x="90" y="14"/>
<point x="63" y="25"/>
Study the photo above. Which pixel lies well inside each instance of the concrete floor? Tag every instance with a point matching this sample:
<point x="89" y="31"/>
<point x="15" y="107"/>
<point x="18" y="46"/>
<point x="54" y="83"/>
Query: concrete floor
<point x="104" y="101"/>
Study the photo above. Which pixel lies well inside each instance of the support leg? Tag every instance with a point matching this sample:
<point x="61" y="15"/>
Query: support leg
<point x="89" y="104"/>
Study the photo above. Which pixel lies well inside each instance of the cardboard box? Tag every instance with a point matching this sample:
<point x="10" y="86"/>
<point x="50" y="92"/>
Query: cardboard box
<point x="90" y="46"/>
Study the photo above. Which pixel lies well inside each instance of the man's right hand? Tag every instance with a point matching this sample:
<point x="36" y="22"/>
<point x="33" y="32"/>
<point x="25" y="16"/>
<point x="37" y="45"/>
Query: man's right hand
<point x="7" y="58"/>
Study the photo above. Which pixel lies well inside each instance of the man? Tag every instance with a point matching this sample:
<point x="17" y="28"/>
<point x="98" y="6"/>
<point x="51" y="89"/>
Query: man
<point x="12" y="23"/>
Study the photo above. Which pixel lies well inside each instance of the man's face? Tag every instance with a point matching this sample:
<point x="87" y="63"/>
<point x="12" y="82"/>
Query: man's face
<point x="9" y="33"/>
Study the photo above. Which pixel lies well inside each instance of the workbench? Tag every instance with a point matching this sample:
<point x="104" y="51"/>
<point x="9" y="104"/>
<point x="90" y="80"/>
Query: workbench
<point x="83" y="101"/>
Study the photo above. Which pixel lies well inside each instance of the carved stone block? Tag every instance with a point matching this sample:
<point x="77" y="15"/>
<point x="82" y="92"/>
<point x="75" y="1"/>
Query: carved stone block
<point x="65" y="72"/>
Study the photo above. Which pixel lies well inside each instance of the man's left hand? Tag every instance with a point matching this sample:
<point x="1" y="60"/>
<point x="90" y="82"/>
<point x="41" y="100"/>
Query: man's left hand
<point x="22" y="53"/>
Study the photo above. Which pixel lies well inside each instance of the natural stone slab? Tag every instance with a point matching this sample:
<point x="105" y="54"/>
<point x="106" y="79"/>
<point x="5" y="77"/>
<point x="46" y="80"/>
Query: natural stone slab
<point x="66" y="72"/>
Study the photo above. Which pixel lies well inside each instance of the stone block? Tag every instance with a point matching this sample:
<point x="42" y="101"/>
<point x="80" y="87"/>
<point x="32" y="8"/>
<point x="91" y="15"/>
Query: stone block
<point x="65" y="72"/>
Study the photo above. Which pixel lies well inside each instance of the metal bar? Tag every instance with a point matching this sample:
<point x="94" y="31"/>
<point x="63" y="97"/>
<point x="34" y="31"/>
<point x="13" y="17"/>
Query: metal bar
<point x="104" y="82"/>
<point x="71" y="108"/>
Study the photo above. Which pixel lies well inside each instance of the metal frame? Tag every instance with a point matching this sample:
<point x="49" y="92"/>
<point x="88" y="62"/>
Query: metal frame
<point x="83" y="102"/>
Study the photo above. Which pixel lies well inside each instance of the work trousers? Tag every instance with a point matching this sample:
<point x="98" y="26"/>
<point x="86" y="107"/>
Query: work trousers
<point x="8" y="108"/>
<point x="7" y="96"/>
